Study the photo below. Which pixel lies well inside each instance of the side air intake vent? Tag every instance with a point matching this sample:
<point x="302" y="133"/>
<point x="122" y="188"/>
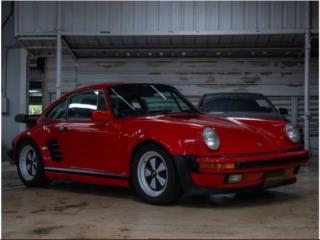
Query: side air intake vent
<point x="54" y="150"/>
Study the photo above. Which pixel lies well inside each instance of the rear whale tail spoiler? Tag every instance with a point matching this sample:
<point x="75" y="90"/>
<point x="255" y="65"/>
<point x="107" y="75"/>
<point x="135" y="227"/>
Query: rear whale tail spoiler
<point x="30" y="120"/>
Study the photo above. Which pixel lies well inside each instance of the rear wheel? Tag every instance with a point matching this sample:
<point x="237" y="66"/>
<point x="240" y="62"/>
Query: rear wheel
<point x="154" y="176"/>
<point x="30" y="166"/>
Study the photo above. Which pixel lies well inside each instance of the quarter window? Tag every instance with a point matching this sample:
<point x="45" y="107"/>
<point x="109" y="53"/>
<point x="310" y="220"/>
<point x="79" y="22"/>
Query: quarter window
<point x="58" y="112"/>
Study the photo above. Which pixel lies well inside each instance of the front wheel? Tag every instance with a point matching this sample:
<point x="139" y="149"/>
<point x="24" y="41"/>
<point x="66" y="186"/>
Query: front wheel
<point x="30" y="166"/>
<point x="154" y="175"/>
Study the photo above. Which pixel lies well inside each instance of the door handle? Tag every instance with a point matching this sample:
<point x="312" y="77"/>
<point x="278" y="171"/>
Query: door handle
<point x="62" y="129"/>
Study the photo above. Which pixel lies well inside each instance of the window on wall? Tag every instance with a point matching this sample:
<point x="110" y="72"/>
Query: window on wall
<point x="82" y="105"/>
<point x="35" y="109"/>
<point x="35" y="78"/>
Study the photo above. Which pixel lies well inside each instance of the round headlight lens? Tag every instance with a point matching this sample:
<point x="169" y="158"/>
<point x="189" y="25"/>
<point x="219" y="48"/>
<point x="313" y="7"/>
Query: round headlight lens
<point x="211" y="138"/>
<point x="292" y="133"/>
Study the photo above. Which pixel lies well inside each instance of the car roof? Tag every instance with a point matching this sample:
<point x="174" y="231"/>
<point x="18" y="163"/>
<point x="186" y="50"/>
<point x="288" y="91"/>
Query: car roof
<point x="232" y="94"/>
<point x="94" y="87"/>
<point x="105" y="86"/>
<point x="228" y="94"/>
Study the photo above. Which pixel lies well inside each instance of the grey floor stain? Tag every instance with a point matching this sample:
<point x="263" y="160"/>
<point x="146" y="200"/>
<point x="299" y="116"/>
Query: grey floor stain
<point x="45" y="230"/>
<point x="62" y="208"/>
<point x="8" y="211"/>
<point x="38" y="211"/>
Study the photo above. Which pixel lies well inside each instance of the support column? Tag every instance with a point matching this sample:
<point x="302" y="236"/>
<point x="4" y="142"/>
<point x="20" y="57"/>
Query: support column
<point x="306" y="77"/>
<point x="58" y="52"/>
<point x="294" y="111"/>
<point x="17" y="97"/>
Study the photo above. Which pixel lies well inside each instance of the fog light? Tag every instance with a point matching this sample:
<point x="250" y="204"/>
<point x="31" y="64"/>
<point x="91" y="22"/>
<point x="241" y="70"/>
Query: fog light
<point x="234" y="178"/>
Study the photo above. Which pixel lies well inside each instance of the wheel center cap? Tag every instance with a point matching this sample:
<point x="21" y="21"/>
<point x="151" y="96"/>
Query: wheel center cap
<point x="154" y="173"/>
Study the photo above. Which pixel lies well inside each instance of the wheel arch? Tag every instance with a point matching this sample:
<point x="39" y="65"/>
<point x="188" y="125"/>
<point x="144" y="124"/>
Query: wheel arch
<point x="146" y="142"/>
<point x="19" y="141"/>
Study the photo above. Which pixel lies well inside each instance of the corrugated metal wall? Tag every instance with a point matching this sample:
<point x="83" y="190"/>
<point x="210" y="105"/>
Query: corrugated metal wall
<point x="280" y="79"/>
<point x="156" y="17"/>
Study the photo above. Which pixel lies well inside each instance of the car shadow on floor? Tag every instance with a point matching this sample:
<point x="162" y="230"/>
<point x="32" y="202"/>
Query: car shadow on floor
<point x="262" y="197"/>
<point x="245" y="199"/>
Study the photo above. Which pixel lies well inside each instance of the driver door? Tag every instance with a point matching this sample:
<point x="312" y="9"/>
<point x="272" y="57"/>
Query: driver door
<point x="89" y="145"/>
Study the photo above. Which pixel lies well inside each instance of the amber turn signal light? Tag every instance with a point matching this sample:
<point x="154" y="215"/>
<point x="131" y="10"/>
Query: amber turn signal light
<point x="217" y="166"/>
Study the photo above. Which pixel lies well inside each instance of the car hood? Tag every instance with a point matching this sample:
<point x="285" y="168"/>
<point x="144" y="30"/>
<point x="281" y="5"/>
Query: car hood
<point x="237" y="134"/>
<point x="192" y="120"/>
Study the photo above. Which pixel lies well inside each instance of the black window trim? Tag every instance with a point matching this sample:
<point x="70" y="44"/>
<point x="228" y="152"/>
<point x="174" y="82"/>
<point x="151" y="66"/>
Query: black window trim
<point x="66" y="99"/>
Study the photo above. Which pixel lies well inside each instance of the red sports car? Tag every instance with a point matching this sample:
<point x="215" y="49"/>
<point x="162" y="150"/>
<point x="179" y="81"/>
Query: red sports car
<point x="150" y="138"/>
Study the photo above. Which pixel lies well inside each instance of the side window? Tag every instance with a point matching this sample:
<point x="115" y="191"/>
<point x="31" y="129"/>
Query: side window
<point x="58" y="112"/>
<point x="82" y="105"/>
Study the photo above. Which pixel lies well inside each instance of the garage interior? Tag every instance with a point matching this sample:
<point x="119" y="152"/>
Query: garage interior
<point x="50" y="48"/>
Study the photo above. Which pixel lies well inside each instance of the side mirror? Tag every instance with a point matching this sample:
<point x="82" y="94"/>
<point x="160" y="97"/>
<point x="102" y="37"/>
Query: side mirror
<point x="283" y="111"/>
<point x="101" y="116"/>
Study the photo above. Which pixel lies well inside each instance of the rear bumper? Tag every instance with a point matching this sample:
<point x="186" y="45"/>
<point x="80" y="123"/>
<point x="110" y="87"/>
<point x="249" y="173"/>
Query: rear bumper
<point x="196" y="180"/>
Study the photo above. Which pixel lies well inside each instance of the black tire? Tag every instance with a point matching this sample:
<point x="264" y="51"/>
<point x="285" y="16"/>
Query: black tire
<point x="39" y="179"/>
<point x="172" y="190"/>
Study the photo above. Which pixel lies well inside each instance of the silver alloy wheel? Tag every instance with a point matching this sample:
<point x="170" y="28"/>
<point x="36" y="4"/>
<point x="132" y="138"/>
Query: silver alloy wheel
<point x="28" y="162"/>
<point x="152" y="173"/>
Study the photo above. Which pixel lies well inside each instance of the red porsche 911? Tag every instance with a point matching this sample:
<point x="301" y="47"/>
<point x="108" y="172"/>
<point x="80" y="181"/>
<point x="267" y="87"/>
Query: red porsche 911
<point x="149" y="137"/>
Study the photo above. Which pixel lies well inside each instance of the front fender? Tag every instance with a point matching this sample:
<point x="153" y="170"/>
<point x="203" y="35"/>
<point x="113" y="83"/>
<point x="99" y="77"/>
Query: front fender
<point x="177" y="140"/>
<point x="36" y="135"/>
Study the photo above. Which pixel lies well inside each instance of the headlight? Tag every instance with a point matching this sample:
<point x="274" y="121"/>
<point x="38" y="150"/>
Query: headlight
<point x="211" y="138"/>
<point x="292" y="133"/>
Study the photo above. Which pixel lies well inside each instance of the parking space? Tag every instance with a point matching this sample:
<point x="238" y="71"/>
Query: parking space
<point x="69" y="210"/>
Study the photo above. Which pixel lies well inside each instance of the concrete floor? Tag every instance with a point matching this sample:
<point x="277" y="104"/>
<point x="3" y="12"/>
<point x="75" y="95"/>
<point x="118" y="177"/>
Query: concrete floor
<point x="66" y="210"/>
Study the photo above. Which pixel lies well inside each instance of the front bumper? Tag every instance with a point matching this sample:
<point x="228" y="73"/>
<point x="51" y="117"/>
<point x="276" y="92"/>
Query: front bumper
<point x="253" y="168"/>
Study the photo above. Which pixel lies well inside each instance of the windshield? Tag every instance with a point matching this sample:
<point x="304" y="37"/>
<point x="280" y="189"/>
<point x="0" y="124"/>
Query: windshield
<point x="236" y="103"/>
<point x="144" y="99"/>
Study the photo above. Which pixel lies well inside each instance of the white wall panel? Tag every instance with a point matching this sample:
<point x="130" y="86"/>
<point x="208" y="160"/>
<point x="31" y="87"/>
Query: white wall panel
<point x="154" y="17"/>
<point x="250" y="15"/>
<point x="212" y="14"/>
